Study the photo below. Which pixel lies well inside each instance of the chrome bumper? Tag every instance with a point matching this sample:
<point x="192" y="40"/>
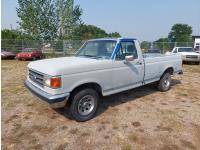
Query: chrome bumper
<point x="55" y="101"/>
<point x="191" y="59"/>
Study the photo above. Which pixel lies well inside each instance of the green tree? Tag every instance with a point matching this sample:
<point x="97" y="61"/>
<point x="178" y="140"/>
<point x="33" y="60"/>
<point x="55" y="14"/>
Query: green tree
<point x="162" y="44"/>
<point x="49" y="19"/>
<point x="69" y="18"/>
<point x="38" y="18"/>
<point x="84" y="32"/>
<point x="12" y="39"/>
<point x="180" y="33"/>
<point x="114" y="34"/>
<point x="145" y="45"/>
<point x="14" y="34"/>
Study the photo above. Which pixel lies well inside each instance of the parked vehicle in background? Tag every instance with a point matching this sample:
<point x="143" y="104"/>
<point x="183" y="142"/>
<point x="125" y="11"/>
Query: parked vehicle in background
<point x="196" y="41"/>
<point x="29" y="54"/>
<point x="188" y="54"/>
<point x="7" y="55"/>
<point x="197" y="50"/>
<point x="156" y="51"/>
<point x="101" y="67"/>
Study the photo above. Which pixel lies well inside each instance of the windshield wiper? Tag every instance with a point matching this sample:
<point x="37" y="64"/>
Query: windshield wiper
<point x="87" y="55"/>
<point x="98" y="57"/>
<point x="91" y="56"/>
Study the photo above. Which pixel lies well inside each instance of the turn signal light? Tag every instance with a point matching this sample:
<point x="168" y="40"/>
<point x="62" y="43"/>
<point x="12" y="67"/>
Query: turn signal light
<point x="55" y="82"/>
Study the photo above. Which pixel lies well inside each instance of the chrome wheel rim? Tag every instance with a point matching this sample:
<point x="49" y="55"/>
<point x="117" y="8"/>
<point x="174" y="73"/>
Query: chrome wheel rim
<point x="167" y="82"/>
<point x="86" y="105"/>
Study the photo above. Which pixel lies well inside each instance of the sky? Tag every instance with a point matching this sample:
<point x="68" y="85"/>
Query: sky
<point x="143" y="19"/>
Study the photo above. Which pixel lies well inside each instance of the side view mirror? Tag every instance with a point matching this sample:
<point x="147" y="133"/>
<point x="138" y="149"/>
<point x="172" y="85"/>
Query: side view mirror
<point x="129" y="58"/>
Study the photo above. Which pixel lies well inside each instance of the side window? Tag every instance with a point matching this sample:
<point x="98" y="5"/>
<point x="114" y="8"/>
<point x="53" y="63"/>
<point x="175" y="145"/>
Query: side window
<point x="126" y="49"/>
<point x="175" y="51"/>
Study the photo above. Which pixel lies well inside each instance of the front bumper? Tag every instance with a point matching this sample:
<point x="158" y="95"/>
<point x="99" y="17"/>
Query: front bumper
<point x="191" y="59"/>
<point x="55" y="101"/>
<point x="24" y="57"/>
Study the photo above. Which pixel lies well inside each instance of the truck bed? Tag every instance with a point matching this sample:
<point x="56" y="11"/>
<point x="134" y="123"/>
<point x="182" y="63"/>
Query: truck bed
<point x="156" y="63"/>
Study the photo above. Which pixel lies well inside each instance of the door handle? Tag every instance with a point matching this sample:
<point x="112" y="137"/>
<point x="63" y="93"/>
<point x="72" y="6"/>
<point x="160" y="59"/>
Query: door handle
<point x="139" y="63"/>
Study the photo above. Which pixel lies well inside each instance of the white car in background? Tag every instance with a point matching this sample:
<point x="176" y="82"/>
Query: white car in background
<point x="188" y="54"/>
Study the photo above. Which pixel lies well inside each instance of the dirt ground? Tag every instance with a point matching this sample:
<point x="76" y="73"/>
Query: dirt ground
<point x="140" y="119"/>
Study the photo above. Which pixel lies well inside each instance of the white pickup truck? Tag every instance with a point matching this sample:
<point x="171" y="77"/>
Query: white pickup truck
<point x="188" y="54"/>
<point x="101" y="67"/>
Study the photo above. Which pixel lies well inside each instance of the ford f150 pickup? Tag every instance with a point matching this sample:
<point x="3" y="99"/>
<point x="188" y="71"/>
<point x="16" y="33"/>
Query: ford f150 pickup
<point x="101" y="67"/>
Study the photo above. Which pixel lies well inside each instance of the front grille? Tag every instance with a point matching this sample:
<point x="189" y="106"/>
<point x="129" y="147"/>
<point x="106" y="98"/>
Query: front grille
<point x="192" y="56"/>
<point x="36" y="77"/>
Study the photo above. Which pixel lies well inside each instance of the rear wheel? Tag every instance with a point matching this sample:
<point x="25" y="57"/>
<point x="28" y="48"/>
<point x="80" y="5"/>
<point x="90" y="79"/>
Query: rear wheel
<point x="165" y="82"/>
<point x="84" y="104"/>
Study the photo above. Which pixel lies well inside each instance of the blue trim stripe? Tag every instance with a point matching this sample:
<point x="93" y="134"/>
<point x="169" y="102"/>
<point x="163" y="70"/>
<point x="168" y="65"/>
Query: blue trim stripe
<point x="115" y="50"/>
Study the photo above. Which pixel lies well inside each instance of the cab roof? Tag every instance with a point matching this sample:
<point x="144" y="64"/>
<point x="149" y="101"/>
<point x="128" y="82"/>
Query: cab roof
<point x="112" y="39"/>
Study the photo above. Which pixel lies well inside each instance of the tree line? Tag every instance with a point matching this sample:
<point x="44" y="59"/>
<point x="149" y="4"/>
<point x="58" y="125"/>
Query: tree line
<point x="180" y="35"/>
<point x="53" y="20"/>
<point x="60" y="19"/>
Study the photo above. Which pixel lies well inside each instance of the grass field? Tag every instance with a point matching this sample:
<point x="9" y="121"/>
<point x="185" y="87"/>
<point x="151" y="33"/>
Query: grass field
<point x="140" y="119"/>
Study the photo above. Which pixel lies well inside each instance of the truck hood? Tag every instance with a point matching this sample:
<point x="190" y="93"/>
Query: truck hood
<point x="69" y="65"/>
<point x="189" y="53"/>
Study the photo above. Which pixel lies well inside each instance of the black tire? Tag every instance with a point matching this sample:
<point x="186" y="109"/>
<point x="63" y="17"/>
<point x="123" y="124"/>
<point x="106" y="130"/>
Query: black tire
<point x="165" y="82"/>
<point x="82" y="109"/>
<point x="34" y="58"/>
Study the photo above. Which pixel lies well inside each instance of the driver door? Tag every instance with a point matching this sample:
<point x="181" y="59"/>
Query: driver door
<point x="127" y="75"/>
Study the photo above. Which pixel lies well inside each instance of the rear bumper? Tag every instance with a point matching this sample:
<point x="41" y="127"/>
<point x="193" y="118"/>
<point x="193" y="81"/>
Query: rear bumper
<point x="7" y="57"/>
<point x="55" y="101"/>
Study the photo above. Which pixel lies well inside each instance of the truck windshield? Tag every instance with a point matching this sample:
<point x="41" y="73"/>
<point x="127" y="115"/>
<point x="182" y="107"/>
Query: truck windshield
<point x="185" y="50"/>
<point x="97" y="49"/>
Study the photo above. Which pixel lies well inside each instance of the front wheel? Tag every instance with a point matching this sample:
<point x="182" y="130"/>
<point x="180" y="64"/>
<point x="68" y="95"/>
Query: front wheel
<point x="165" y="82"/>
<point x="84" y="105"/>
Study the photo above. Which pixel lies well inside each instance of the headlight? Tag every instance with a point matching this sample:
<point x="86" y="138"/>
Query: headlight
<point x="47" y="82"/>
<point x="53" y="82"/>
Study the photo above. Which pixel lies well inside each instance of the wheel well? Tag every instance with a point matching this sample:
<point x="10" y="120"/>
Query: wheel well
<point x="94" y="86"/>
<point x="169" y="70"/>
